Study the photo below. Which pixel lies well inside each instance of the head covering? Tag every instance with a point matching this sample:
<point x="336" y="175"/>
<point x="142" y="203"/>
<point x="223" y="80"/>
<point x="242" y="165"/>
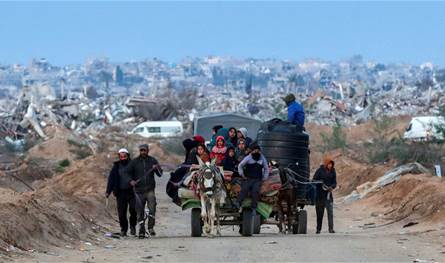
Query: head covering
<point x="220" y="138"/>
<point x="326" y="161"/>
<point x="224" y="132"/>
<point x="143" y="147"/>
<point x="123" y="150"/>
<point x="199" y="139"/>
<point x="189" y="144"/>
<point x="230" y="148"/>
<point x="217" y="127"/>
<point x="289" y="98"/>
<point x="255" y="146"/>
<point x="243" y="132"/>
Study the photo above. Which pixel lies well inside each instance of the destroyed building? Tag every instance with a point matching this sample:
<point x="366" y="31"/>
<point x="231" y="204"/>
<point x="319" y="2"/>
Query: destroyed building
<point x="101" y="93"/>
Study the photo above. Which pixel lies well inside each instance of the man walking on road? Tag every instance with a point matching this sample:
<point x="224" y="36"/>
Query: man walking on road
<point x="142" y="170"/>
<point x="327" y="175"/>
<point x="119" y="184"/>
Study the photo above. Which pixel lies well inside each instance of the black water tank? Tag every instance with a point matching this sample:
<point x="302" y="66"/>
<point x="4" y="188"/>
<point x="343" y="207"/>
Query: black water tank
<point x="287" y="144"/>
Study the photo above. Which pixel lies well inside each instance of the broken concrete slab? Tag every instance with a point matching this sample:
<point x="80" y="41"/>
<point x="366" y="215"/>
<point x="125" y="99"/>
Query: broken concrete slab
<point x="388" y="178"/>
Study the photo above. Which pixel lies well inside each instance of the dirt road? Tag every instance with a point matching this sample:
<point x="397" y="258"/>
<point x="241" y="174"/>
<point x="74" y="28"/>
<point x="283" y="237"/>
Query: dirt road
<point x="174" y="244"/>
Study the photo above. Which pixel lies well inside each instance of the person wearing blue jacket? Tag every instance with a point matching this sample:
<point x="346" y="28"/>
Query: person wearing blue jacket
<point x="295" y="111"/>
<point x="215" y="134"/>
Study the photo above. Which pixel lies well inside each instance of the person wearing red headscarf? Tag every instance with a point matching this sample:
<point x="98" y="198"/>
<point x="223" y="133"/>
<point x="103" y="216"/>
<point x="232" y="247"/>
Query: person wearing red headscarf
<point x="219" y="150"/>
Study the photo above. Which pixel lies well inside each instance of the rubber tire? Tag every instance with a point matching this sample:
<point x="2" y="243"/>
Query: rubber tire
<point x="247" y="230"/>
<point x="302" y="222"/>
<point x="257" y="224"/>
<point x="196" y="222"/>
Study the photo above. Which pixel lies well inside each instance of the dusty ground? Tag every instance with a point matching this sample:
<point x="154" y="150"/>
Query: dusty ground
<point x="357" y="239"/>
<point x="65" y="219"/>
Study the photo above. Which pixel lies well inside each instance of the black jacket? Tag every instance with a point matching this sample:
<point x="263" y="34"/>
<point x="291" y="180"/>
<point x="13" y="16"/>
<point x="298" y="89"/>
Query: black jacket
<point x="229" y="163"/>
<point x="141" y="169"/>
<point x="329" y="178"/>
<point x="192" y="158"/>
<point x="189" y="146"/>
<point x="115" y="178"/>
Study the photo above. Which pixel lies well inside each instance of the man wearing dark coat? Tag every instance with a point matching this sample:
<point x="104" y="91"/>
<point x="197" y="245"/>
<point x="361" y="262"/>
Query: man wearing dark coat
<point x="119" y="185"/>
<point x="142" y="170"/>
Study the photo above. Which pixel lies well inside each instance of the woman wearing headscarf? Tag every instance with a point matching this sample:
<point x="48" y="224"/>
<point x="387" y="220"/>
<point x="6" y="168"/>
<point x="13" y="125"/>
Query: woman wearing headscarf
<point x="328" y="177"/>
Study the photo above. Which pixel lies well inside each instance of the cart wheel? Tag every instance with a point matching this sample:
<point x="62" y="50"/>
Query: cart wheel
<point x="295" y="228"/>
<point x="196" y="222"/>
<point x="257" y="224"/>
<point x="302" y="222"/>
<point x="248" y="219"/>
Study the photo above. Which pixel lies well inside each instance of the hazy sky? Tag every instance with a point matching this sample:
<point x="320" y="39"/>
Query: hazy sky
<point x="70" y="32"/>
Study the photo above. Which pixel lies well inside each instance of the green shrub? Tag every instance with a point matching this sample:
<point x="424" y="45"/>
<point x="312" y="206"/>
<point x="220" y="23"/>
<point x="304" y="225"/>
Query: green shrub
<point x="337" y="139"/>
<point x="441" y="128"/>
<point x="384" y="148"/>
<point x="75" y="143"/>
<point x="64" y="163"/>
<point x="59" y="169"/>
<point x="82" y="153"/>
<point x="426" y="153"/>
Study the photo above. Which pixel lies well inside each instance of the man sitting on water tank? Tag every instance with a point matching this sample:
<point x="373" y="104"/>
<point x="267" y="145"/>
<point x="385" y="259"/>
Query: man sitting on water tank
<point x="295" y="112"/>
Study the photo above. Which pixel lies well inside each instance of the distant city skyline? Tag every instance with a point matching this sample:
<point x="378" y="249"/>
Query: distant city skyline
<point x="72" y="32"/>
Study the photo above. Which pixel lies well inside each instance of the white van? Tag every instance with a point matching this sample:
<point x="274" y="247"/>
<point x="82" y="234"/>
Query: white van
<point x="160" y="129"/>
<point x="424" y="128"/>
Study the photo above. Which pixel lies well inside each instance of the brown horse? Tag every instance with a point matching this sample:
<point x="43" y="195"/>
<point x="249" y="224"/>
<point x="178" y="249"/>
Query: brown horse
<point x="286" y="204"/>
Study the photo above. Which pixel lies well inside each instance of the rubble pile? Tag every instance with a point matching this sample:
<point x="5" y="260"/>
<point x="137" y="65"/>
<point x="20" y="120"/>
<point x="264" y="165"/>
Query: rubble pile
<point x="101" y="93"/>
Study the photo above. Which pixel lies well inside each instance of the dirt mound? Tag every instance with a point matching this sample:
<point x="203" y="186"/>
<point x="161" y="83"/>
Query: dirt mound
<point x="417" y="197"/>
<point x="65" y="208"/>
<point x="359" y="133"/>
<point x="351" y="166"/>
<point x="350" y="173"/>
<point x="48" y="157"/>
<point x="62" y="144"/>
